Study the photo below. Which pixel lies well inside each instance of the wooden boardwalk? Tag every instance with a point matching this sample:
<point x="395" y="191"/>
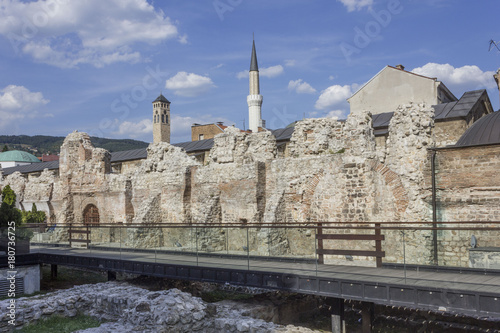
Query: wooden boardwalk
<point x="476" y="293"/>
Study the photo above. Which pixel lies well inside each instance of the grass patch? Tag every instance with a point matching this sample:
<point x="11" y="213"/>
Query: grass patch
<point x="61" y="324"/>
<point x="220" y="295"/>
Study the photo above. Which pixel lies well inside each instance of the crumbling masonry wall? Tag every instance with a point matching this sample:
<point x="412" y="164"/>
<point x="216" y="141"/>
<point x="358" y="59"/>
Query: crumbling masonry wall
<point x="468" y="189"/>
<point x="334" y="173"/>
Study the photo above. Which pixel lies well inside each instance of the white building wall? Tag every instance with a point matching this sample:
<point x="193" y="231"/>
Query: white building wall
<point x="10" y="164"/>
<point x="394" y="87"/>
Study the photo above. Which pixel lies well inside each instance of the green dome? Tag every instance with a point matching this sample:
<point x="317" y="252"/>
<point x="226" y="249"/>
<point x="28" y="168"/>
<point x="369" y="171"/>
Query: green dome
<point x="18" y="156"/>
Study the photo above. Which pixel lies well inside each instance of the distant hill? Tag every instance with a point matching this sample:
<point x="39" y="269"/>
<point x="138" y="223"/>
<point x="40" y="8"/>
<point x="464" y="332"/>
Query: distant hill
<point x="43" y="144"/>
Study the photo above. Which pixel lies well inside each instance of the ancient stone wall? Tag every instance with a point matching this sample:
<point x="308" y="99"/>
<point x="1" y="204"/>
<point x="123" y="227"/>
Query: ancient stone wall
<point x="335" y="172"/>
<point x="316" y="136"/>
<point x="468" y="189"/>
<point x="127" y="308"/>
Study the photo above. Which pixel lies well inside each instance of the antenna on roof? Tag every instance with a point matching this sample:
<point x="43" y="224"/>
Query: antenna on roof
<point x="244" y="125"/>
<point x="492" y="42"/>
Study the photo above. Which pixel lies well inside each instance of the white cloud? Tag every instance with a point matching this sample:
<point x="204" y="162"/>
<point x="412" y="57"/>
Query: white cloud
<point x="290" y="62"/>
<point x="183" y="39"/>
<point x="470" y="76"/>
<point x="353" y="5"/>
<point x="20" y="99"/>
<point x="189" y="84"/>
<point x="242" y="75"/>
<point x="332" y="96"/>
<point x="301" y="87"/>
<point x="69" y="33"/>
<point x="135" y="130"/>
<point x="331" y="78"/>
<point x="269" y="72"/>
<point x="272" y="71"/>
<point x="338" y="114"/>
<point x="17" y="102"/>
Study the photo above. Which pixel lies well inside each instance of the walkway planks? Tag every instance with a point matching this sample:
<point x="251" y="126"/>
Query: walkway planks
<point x="382" y="285"/>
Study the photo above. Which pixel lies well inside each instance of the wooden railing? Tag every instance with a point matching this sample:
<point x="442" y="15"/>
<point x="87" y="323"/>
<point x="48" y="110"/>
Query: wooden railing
<point x="79" y="230"/>
<point x="377" y="237"/>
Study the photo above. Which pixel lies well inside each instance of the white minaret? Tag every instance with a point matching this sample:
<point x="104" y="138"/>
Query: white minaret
<point x="254" y="99"/>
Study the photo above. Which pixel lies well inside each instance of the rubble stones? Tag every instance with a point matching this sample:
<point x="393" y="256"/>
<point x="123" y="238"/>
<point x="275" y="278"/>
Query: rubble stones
<point x="131" y="309"/>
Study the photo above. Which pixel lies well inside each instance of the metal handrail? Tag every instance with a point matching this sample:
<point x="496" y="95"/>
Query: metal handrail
<point x="484" y="225"/>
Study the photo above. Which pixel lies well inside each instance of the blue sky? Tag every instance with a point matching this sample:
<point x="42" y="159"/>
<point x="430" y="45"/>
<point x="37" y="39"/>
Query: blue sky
<point x="97" y="65"/>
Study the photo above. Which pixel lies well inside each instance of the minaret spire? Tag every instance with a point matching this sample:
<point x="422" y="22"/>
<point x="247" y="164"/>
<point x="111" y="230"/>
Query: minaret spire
<point x="253" y="63"/>
<point x="254" y="98"/>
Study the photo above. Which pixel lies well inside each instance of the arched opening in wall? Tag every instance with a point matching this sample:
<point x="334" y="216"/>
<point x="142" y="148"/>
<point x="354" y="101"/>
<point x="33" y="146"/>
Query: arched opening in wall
<point x="91" y="215"/>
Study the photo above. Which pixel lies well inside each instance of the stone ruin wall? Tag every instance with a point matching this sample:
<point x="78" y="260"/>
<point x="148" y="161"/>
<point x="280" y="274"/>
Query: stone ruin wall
<point x="335" y="172"/>
<point x="468" y="189"/>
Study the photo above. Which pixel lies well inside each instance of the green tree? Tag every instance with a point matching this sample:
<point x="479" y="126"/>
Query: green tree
<point x="33" y="216"/>
<point x="8" y="211"/>
<point x="5" y="148"/>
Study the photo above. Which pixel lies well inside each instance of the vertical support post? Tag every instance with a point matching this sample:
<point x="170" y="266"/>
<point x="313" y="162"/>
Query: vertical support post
<point x="88" y="238"/>
<point x="269" y="242"/>
<point x="121" y="230"/>
<point x="404" y="254"/>
<point x="248" y="250"/>
<point x="111" y="276"/>
<point x="316" y="249"/>
<point x="196" y="234"/>
<point x="321" y="259"/>
<point x="337" y="308"/>
<point x="367" y="314"/>
<point x="53" y="272"/>
<point x="434" y="207"/>
<point x="378" y="244"/>
<point x="69" y="234"/>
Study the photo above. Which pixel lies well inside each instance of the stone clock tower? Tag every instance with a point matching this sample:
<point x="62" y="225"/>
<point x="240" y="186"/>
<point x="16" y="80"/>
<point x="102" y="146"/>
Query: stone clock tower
<point x="161" y="120"/>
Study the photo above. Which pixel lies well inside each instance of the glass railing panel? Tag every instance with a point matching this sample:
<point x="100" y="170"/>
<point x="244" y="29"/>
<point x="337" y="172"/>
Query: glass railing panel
<point x="141" y="242"/>
<point x="178" y="245"/>
<point x="221" y="246"/>
<point x="51" y="236"/>
<point x="283" y="248"/>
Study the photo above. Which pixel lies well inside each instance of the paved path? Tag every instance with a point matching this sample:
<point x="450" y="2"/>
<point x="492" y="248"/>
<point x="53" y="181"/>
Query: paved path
<point x="456" y="281"/>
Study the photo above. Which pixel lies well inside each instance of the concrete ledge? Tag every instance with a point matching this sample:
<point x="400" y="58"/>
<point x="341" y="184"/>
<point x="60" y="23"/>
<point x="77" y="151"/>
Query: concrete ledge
<point x="484" y="257"/>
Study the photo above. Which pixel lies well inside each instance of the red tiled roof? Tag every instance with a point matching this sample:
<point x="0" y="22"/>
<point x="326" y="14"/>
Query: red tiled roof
<point x="49" y="158"/>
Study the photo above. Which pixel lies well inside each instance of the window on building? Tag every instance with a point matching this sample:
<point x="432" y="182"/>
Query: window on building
<point x="162" y="118"/>
<point x="201" y="137"/>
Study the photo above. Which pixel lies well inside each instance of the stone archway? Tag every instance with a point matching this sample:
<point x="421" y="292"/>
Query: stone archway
<point x="395" y="185"/>
<point x="91" y="215"/>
